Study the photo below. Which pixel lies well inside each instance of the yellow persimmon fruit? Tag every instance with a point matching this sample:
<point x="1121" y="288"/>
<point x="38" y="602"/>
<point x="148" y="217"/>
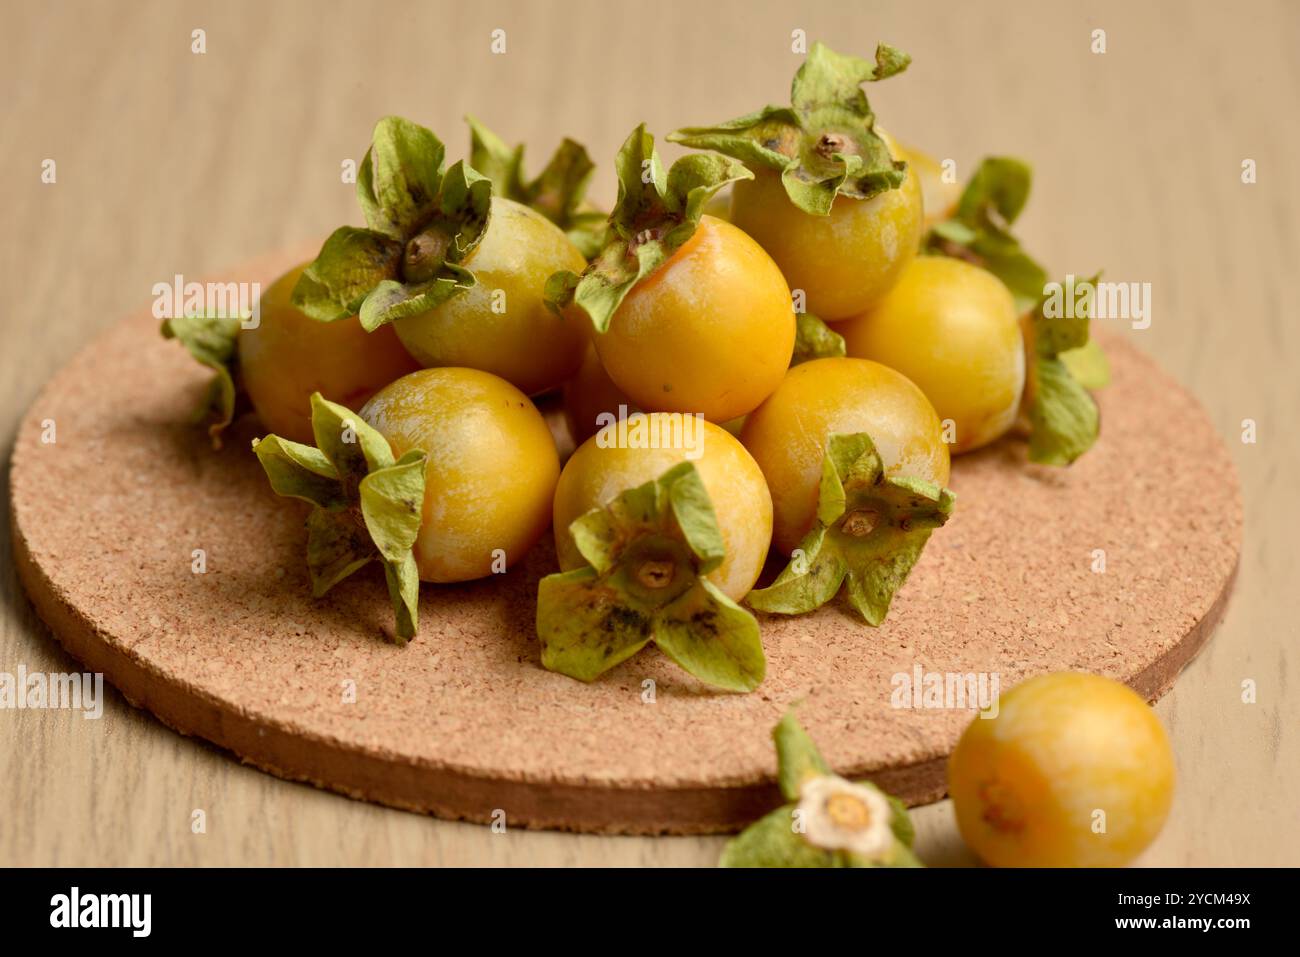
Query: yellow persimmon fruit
<point x="951" y="328"/>
<point x="787" y="435"/>
<point x="491" y="469"/>
<point x="288" y="356"/>
<point x="605" y="466"/>
<point x="502" y="324"/>
<point x="1073" y="770"/>
<point x="710" y="331"/>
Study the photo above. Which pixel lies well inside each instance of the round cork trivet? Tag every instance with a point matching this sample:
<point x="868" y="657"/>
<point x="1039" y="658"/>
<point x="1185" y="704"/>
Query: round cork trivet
<point x="465" y="723"/>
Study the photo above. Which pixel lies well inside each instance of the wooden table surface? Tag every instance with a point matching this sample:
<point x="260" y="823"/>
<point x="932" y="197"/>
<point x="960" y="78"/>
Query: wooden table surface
<point x="168" y="162"/>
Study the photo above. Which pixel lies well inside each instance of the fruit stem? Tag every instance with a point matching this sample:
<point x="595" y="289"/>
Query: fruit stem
<point x="655" y="573"/>
<point x="831" y="143"/>
<point x="425" y="254"/>
<point x="860" y="522"/>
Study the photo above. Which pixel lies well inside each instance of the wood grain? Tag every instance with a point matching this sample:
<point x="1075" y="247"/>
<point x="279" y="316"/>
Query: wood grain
<point x="171" y="162"/>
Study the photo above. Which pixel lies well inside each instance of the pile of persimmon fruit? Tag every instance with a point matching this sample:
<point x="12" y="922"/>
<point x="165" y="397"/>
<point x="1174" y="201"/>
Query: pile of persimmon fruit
<point x="755" y="368"/>
<point x="766" y="356"/>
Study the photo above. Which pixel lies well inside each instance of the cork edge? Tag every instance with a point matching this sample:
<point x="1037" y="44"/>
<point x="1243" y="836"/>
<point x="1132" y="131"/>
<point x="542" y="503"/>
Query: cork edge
<point x="454" y="795"/>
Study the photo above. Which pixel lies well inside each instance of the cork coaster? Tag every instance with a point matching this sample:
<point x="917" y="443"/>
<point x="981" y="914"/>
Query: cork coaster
<point x="464" y="722"/>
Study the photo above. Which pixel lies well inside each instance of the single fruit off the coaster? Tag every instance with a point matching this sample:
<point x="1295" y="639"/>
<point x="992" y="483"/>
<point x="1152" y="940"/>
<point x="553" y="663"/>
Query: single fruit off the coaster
<point x="1070" y="770"/>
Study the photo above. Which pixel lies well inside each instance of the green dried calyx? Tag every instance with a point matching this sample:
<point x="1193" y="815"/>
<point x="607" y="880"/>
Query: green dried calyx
<point x="1065" y="363"/>
<point x="423" y="224"/>
<point x="979" y="230"/>
<point x="825" y="143"/>
<point x="1063" y="417"/>
<point x="211" y="341"/>
<point x="813" y="339"/>
<point x="656" y="213"/>
<point x="868" y="533"/>
<point x="368" y="505"/>
<point x="557" y="192"/>
<point x="807" y="833"/>
<point x="648" y="553"/>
